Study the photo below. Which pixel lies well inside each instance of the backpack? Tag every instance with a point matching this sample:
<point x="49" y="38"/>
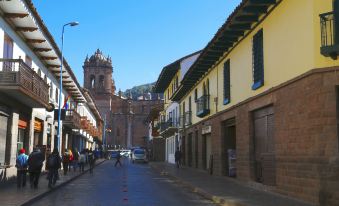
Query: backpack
<point x="21" y="162"/>
<point x="35" y="161"/>
<point x="52" y="161"/>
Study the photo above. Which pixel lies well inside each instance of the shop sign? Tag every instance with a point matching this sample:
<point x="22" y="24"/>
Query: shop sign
<point x="206" y="129"/>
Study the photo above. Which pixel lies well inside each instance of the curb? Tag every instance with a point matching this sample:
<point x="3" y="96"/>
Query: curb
<point x="215" y="199"/>
<point x="44" y="194"/>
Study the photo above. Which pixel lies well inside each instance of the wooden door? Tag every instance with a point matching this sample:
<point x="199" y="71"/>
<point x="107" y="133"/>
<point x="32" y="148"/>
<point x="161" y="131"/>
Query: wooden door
<point x="264" y="146"/>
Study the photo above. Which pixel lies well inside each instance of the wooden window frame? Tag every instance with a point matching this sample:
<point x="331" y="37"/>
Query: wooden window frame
<point x="258" y="59"/>
<point x="227" y="82"/>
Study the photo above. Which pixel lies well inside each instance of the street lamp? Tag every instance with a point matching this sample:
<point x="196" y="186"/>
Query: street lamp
<point x="74" y="23"/>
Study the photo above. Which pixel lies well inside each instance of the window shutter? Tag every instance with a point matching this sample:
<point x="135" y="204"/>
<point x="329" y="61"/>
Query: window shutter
<point x="227" y="82"/>
<point x="258" y="60"/>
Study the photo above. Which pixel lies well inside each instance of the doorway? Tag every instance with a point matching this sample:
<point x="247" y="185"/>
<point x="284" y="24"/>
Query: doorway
<point x="264" y="146"/>
<point x="190" y="146"/>
<point x="229" y="148"/>
<point x="196" y="149"/>
<point x="208" y="149"/>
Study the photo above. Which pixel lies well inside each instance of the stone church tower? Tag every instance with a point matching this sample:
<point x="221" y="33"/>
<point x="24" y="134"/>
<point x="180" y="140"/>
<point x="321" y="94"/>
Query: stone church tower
<point x="125" y="117"/>
<point x="98" y="71"/>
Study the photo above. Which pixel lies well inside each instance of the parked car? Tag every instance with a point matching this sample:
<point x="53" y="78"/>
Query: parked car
<point x="125" y="153"/>
<point x="139" y="155"/>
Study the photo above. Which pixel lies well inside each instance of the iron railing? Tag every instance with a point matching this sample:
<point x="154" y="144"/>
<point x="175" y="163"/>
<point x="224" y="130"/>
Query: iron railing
<point x="188" y="118"/>
<point x="203" y="105"/>
<point x="327" y="24"/>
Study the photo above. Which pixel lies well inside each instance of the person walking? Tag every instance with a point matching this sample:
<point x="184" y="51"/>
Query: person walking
<point x="91" y="160"/>
<point x="21" y="165"/>
<point x="177" y="157"/>
<point x="118" y="159"/>
<point x="76" y="156"/>
<point x="82" y="161"/>
<point x="53" y="164"/>
<point x="35" y="162"/>
<point x="65" y="161"/>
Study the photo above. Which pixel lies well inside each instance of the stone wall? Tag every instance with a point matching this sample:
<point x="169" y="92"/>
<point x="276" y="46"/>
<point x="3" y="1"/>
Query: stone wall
<point x="305" y="135"/>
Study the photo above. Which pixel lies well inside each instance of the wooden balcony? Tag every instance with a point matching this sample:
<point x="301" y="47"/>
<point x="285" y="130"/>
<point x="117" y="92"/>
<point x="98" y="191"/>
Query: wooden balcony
<point x="19" y="81"/>
<point x="84" y="123"/>
<point x="72" y="119"/>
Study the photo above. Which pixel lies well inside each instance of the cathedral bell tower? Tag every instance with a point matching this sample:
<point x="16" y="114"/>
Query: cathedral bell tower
<point x="98" y="71"/>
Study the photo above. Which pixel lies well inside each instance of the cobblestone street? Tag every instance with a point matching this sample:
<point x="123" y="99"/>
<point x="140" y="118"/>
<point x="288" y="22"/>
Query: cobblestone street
<point x="132" y="184"/>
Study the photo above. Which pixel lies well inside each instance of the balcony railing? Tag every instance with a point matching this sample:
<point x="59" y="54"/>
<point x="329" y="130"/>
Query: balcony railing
<point x="20" y="81"/>
<point x="188" y="118"/>
<point x="203" y="105"/>
<point x="72" y="119"/>
<point x="329" y="35"/>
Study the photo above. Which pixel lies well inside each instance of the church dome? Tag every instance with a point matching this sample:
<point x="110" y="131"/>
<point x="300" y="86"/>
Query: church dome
<point x="98" y="59"/>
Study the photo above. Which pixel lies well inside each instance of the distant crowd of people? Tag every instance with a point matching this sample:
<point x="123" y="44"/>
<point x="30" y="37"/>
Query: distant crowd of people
<point x="33" y="164"/>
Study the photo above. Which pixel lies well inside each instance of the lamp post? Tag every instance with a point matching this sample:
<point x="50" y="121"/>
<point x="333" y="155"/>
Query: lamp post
<point x="60" y="92"/>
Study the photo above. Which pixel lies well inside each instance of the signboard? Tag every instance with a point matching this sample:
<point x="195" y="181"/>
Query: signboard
<point x="206" y="129"/>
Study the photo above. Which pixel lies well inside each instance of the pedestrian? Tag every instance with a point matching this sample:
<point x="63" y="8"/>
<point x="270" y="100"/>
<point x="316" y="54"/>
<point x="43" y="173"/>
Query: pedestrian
<point x="71" y="160"/>
<point x="76" y="155"/>
<point x="118" y="159"/>
<point x="177" y="157"/>
<point x="82" y="161"/>
<point x="65" y="161"/>
<point x="53" y="164"/>
<point x="91" y="160"/>
<point x="21" y="165"/>
<point x="35" y="162"/>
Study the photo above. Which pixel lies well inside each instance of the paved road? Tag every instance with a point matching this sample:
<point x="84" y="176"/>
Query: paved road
<point x="132" y="184"/>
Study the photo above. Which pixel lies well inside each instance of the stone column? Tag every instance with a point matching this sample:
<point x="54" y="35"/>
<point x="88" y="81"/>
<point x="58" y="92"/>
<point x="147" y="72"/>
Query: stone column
<point x="13" y="138"/>
<point x="31" y="133"/>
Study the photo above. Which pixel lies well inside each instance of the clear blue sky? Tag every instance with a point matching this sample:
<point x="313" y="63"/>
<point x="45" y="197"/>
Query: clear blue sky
<point x="141" y="36"/>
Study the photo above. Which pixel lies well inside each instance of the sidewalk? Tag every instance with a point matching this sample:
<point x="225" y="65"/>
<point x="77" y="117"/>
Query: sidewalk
<point x="11" y="195"/>
<point x="223" y="190"/>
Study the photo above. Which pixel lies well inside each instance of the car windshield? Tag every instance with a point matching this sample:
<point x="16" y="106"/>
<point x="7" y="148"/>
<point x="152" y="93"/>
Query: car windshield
<point x="139" y="151"/>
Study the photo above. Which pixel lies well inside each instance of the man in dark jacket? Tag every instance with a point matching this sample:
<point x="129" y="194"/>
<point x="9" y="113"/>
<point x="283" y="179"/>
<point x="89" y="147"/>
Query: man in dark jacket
<point x="35" y="162"/>
<point x="177" y="157"/>
<point x="53" y="164"/>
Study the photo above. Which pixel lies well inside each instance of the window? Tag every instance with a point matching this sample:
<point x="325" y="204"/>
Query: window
<point x="8" y="47"/>
<point x="51" y="91"/>
<point x="227" y="83"/>
<point x="195" y="95"/>
<point x="92" y="81"/>
<point x="258" y="60"/>
<point x="190" y="104"/>
<point x="101" y="81"/>
<point x="176" y="82"/>
<point x="28" y="61"/>
<point x="8" y="53"/>
<point x="56" y="94"/>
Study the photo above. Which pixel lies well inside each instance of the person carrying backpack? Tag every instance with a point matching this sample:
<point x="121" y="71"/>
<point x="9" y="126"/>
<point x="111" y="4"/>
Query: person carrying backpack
<point x="21" y="165"/>
<point x="53" y="164"/>
<point x="65" y="161"/>
<point x="35" y="162"/>
<point x="82" y="161"/>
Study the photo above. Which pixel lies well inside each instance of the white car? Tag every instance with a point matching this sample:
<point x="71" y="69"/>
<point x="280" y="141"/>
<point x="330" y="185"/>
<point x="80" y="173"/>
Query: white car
<point x="139" y="155"/>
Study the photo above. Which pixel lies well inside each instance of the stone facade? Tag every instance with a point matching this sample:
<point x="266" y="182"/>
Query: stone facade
<point x="305" y="137"/>
<point x="125" y="117"/>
